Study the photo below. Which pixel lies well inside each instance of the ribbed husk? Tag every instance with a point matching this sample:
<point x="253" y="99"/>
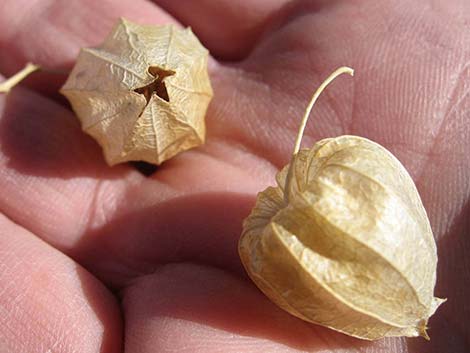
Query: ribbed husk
<point x="351" y="248"/>
<point x="143" y="94"/>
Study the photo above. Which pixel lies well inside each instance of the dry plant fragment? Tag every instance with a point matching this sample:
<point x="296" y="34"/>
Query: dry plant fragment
<point x="7" y="85"/>
<point x="344" y="240"/>
<point x="143" y="93"/>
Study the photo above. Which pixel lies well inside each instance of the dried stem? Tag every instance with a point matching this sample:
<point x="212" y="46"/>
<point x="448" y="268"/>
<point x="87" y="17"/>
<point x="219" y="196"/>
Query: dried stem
<point x="7" y="85"/>
<point x="336" y="73"/>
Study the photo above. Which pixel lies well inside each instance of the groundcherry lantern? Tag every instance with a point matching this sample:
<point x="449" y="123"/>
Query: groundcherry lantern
<point x="343" y="240"/>
<point x="143" y="94"/>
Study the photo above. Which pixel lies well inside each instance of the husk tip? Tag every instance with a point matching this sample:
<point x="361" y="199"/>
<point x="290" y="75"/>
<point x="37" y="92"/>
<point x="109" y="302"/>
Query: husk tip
<point x="436" y="303"/>
<point x="422" y="330"/>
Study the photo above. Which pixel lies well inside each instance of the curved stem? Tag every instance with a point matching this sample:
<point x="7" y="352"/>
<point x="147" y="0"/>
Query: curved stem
<point x="336" y="73"/>
<point x="298" y="141"/>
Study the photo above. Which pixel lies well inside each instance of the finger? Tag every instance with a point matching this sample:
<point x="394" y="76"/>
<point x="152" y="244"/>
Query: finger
<point x="192" y="209"/>
<point x="119" y="224"/>
<point x="444" y="184"/>
<point x="51" y="33"/>
<point x="52" y="176"/>
<point x="386" y="94"/>
<point x="48" y="302"/>
<point x="201" y="309"/>
<point x="229" y="29"/>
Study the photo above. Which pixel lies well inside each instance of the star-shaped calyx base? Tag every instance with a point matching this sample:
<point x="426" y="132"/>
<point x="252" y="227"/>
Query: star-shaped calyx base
<point x="157" y="86"/>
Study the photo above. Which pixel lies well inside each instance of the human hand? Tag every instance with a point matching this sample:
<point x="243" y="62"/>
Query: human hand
<point x="94" y="258"/>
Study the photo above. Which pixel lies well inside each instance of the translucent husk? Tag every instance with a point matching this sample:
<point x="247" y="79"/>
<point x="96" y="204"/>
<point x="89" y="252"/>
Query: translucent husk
<point x="143" y="94"/>
<point x="344" y="240"/>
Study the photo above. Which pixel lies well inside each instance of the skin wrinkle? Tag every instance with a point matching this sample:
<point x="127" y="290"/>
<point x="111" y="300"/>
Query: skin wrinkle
<point x="353" y="109"/>
<point x="453" y="93"/>
<point x="331" y="102"/>
<point x="50" y="269"/>
<point x="240" y="162"/>
<point x="13" y="302"/>
<point x="97" y="214"/>
<point x="289" y="124"/>
<point x="176" y="306"/>
<point x="234" y="144"/>
<point x="243" y="35"/>
<point x="243" y="79"/>
<point x="431" y="153"/>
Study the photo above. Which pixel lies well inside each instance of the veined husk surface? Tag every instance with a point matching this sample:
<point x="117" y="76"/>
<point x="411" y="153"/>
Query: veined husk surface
<point x="352" y="248"/>
<point x="142" y="94"/>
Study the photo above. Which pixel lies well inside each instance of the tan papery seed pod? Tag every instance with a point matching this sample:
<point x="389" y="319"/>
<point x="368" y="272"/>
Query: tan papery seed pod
<point x="143" y="93"/>
<point x="344" y="240"/>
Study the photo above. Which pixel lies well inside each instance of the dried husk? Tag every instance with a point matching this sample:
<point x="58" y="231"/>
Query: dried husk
<point x="143" y="93"/>
<point x="349" y="245"/>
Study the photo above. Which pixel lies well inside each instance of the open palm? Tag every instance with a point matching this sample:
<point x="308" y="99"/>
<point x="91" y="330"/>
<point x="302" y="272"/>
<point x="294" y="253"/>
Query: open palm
<point x="100" y="259"/>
